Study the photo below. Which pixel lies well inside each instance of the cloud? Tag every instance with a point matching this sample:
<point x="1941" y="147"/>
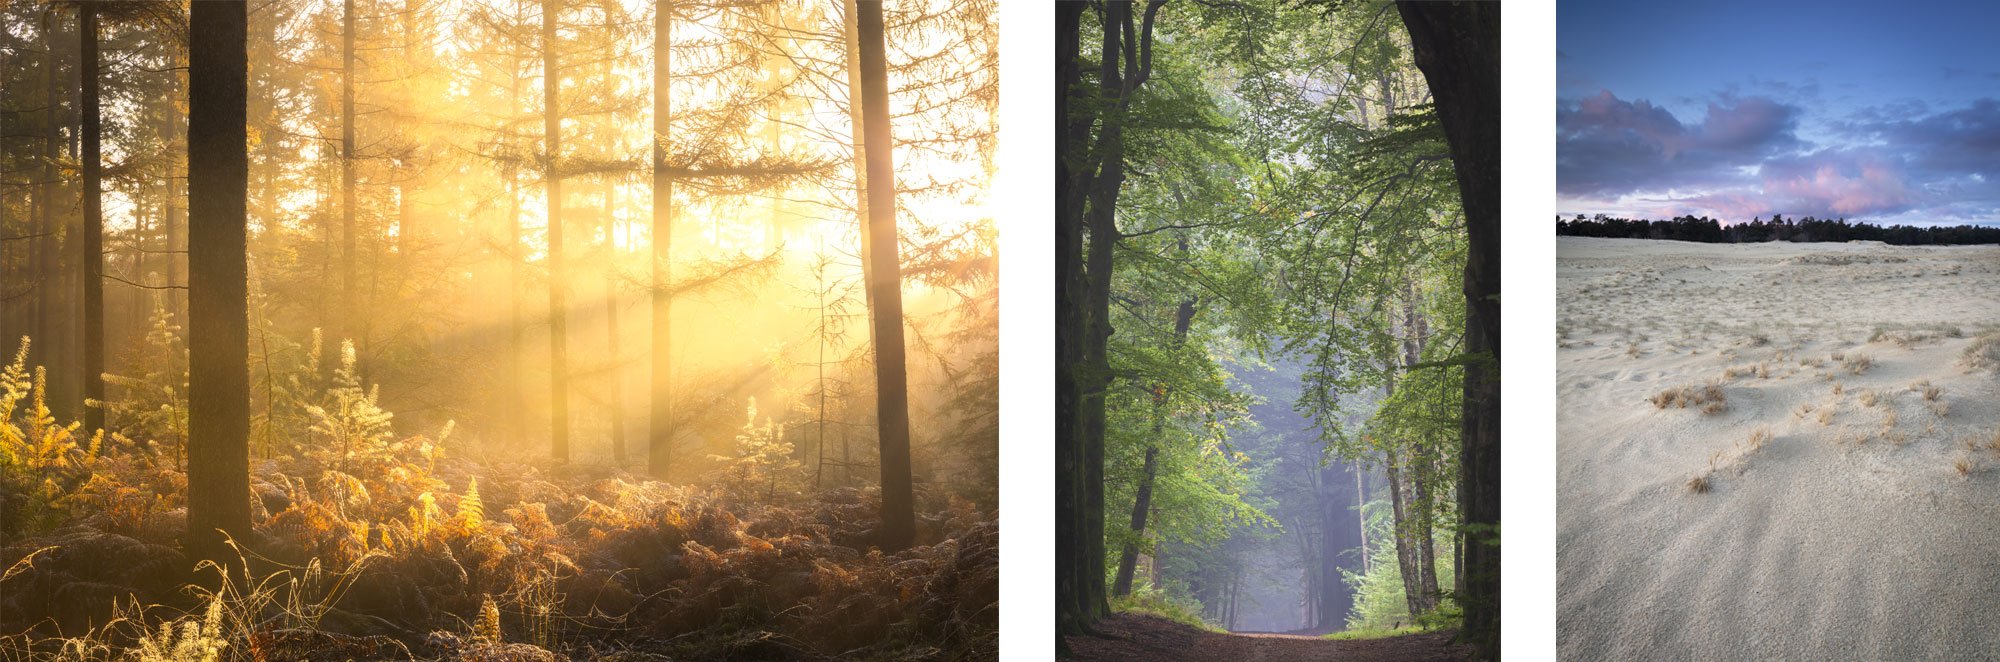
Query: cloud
<point x="1946" y="144"/>
<point x="1897" y="162"/>
<point x="1840" y="183"/>
<point x="1610" y="146"/>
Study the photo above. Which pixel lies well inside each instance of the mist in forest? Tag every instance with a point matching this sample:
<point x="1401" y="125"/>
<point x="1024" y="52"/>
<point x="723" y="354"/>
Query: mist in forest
<point x="566" y="324"/>
<point x="1277" y="343"/>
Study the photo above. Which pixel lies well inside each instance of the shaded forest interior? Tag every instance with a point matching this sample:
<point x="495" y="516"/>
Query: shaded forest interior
<point x="1277" y="318"/>
<point x="498" y="329"/>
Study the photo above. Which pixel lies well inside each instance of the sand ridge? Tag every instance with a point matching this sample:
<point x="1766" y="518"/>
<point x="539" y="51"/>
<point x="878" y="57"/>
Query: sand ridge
<point x="1851" y="530"/>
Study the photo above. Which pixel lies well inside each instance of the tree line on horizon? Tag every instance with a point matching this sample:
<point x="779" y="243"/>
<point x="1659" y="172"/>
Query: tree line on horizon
<point x="1802" y="230"/>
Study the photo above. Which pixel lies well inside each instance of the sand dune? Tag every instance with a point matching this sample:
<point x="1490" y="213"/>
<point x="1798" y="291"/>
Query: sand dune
<point x="1865" y="524"/>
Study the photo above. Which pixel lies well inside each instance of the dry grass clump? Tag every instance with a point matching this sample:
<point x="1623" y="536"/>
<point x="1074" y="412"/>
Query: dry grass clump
<point x="1868" y="398"/>
<point x="1709" y="398"/>
<point x="1940" y="408"/>
<point x="1826" y="414"/>
<point x="1931" y="393"/>
<point x="1698" y="484"/>
<point x="1839" y="388"/>
<point x="1759" y="438"/>
<point x="1858" y="363"/>
<point x="1965" y="465"/>
<point x="1889" y="419"/>
<point x="1983" y="353"/>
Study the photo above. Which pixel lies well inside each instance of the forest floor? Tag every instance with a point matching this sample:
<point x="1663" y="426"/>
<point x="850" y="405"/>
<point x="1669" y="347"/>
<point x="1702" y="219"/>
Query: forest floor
<point x="1139" y="637"/>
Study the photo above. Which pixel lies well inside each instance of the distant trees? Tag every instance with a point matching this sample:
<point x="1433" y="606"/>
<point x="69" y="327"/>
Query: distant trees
<point x="1806" y="229"/>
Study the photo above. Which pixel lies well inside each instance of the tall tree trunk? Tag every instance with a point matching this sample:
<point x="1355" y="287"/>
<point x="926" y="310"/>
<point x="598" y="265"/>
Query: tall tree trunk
<point x="218" y="282"/>
<point x="1414" y="330"/>
<point x="892" y="387"/>
<point x="616" y="370"/>
<point x="514" y="398"/>
<point x="172" y="220"/>
<point x="558" y="292"/>
<point x="1330" y="596"/>
<point x="1406" y="553"/>
<point x="1361" y="515"/>
<point x="1068" y="280"/>
<point x="93" y="223"/>
<point x="856" y="120"/>
<point x="350" y="308"/>
<point x="1128" y="558"/>
<point x="1102" y="222"/>
<point x="660" y="432"/>
<point x="46" y="264"/>
<point x="1457" y="45"/>
<point x="1133" y="47"/>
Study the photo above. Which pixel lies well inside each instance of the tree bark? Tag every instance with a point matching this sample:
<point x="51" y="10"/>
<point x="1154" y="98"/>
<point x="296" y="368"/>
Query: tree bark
<point x="1068" y="279"/>
<point x="660" y="430"/>
<point x="48" y="267"/>
<point x="93" y="222"/>
<point x="218" y="282"/>
<point x="898" y="530"/>
<point x="1457" y="46"/>
<point x="1128" y="559"/>
<point x="558" y="279"/>
<point x="1406" y="553"/>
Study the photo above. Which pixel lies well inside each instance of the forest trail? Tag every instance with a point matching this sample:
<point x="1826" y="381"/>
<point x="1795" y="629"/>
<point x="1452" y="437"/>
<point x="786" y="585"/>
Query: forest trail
<point x="1137" y="637"/>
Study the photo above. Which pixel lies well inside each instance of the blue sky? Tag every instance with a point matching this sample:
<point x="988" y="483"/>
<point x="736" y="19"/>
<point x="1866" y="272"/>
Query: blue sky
<point x="1887" y="112"/>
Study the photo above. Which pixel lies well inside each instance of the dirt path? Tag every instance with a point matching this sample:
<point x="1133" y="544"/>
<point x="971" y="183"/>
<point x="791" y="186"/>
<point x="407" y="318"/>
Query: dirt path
<point x="1134" y="637"/>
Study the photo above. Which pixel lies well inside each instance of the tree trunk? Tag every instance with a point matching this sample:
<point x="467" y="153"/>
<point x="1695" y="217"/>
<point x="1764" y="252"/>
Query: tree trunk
<point x="93" y="223"/>
<point x="173" y="235"/>
<point x="615" y="371"/>
<point x="513" y="398"/>
<point x="856" y="120"/>
<point x="1406" y="553"/>
<point x="47" y="266"/>
<point x="350" y="309"/>
<point x="660" y="431"/>
<point x="1414" y="331"/>
<point x="218" y="283"/>
<point x="1361" y="515"/>
<point x="558" y="292"/>
<point x="1068" y="259"/>
<point x="1330" y="594"/>
<point x="1128" y="559"/>
<point x="1102" y="222"/>
<point x="892" y="395"/>
<point x="1457" y="45"/>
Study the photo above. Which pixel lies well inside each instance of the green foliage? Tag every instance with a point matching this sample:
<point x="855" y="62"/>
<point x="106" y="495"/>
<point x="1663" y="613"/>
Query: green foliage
<point x="1379" y="603"/>
<point x="1147" y="599"/>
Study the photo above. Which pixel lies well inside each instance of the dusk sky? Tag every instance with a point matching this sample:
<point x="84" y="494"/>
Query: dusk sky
<point x="1885" y="112"/>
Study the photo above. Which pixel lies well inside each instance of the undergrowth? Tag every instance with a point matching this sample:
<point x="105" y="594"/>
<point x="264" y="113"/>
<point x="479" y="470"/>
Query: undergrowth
<point x="1148" y="599"/>
<point x="367" y="545"/>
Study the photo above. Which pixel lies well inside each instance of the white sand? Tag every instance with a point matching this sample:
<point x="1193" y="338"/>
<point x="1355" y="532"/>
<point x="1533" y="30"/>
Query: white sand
<point x="1831" y="541"/>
